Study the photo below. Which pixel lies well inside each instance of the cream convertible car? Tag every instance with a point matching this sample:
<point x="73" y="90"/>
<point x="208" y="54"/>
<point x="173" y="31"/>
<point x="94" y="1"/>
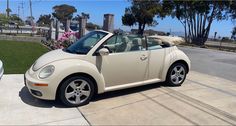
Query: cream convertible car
<point x="100" y="62"/>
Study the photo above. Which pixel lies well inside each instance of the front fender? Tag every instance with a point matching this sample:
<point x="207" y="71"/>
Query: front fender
<point x="64" y="68"/>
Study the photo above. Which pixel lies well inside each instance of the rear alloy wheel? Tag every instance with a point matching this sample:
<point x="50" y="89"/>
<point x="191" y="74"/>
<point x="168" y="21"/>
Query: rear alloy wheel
<point x="76" y="91"/>
<point x="176" y="74"/>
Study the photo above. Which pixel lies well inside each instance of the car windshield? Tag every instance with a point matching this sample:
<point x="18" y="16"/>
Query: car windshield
<point x="86" y="43"/>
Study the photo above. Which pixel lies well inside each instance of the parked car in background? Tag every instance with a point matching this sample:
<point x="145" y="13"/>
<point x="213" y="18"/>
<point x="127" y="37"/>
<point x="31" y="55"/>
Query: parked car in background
<point x="1" y="69"/>
<point x="102" y="61"/>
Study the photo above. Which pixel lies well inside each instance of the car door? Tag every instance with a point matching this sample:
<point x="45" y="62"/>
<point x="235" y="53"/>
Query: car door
<point x="156" y="59"/>
<point x="127" y="62"/>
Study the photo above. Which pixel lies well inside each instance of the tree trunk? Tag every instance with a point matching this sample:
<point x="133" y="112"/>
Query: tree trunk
<point x="141" y="28"/>
<point x="200" y="27"/>
<point x="207" y="30"/>
<point x="198" y="24"/>
<point x="194" y="22"/>
<point x="185" y="29"/>
<point x="185" y="23"/>
<point x="202" y="37"/>
<point x="189" y="31"/>
<point x="185" y="32"/>
<point x="191" y="27"/>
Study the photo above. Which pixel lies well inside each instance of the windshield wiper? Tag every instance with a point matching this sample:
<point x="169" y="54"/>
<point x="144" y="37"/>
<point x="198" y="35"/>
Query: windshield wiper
<point x="74" y="52"/>
<point x="78" y="52"/>
<point x="67" y="50"/>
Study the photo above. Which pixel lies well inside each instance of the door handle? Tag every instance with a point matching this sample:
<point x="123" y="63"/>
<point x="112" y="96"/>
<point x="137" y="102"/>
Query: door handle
<point x="143" y="57"/>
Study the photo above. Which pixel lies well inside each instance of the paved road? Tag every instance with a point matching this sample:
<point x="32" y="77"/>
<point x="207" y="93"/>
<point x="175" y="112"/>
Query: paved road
<point x="217" y="63"/>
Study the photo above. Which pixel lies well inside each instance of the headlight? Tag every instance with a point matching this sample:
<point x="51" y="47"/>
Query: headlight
<point x="46" y="72"/>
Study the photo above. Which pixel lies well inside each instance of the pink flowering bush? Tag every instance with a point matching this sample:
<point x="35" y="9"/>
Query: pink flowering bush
<point x="66" y="36"/>
<point x="63" y="41"/>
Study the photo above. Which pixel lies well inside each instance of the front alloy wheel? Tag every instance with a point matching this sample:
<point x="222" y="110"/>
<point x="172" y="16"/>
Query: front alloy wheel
<point x="176" y="74"/>
<point x="76" y="91"/>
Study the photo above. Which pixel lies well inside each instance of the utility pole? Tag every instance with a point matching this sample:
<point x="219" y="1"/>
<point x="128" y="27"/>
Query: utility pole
<point x="22" y="8"/>
<point x="19" y="11"/>
<point x="31" y="16"/>
<point x="31" y="9"/>
<point x="8" y="9"/>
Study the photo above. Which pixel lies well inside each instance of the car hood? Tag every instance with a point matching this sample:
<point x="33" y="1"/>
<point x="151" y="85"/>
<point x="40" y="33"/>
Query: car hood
<point x="52" y="56"/>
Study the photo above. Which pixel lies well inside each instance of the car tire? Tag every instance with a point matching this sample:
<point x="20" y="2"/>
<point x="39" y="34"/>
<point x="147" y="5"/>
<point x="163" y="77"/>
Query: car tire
<point x="176" y="74"/>
<point x="76" y="91"/>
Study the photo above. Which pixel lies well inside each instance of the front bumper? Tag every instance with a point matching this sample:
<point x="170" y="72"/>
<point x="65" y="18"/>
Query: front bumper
<point x="41" y="92"/>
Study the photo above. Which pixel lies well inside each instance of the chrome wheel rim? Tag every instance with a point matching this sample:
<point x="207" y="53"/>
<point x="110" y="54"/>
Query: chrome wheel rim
<point x="77" y="91"/>
<point x="177" y="74"/>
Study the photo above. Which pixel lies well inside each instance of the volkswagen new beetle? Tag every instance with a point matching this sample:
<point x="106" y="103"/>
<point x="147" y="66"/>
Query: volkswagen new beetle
<point x="102" y="61"/>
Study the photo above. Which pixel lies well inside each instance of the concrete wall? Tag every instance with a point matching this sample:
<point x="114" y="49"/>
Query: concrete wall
<point x="21" y="38"/>
<point x="21" y="30"/>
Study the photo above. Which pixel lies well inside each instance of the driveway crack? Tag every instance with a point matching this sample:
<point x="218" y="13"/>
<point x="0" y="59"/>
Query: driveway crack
<point x="83" y="116"/>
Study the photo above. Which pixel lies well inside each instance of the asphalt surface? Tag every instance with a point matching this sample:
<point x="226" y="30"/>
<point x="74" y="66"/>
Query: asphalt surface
<point x="212" y="62"/>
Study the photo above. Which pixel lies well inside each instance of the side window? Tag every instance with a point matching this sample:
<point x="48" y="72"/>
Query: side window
<point x="154" y="43"/>
<point x="138" y="44"/>
<point x="113" y="42"/>
<point x="119" y="43"/>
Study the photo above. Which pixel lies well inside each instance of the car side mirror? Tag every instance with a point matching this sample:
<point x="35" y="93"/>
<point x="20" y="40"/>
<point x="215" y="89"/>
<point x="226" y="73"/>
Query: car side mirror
<point x="103" y="52"/>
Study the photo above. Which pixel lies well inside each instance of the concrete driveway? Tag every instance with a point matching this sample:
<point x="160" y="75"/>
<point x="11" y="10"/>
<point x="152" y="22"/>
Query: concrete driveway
<point x="17" y="106"/>
<point x="204" y="99"/>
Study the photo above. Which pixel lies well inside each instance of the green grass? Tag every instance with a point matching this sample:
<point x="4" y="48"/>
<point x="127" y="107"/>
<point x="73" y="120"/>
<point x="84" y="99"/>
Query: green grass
<point x="17" y="57"/>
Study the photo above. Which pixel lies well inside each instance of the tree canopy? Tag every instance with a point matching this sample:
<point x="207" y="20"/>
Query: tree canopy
<point x="16" y="19"/>
<point x="29" y="20"/>
<point x="233" y="36"/>
<point x="44" y="20"/>
<point x="197" y="16"/>
<point x="142" y="13"/>
<point x="92" y="26"/>
<point x="232" y="14"/>
<point x="3" y="19"/>
<point x="11" y="19"/>
<point x="84" y="15"/>
<point x="64" y="11"/>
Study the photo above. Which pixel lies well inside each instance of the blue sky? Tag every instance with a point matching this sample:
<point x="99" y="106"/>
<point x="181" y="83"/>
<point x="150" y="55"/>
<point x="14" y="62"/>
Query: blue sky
<point x="97" y="8"/>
